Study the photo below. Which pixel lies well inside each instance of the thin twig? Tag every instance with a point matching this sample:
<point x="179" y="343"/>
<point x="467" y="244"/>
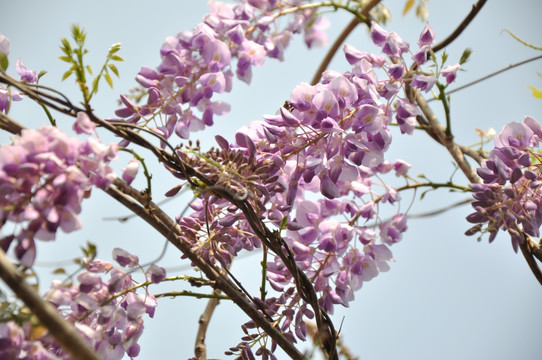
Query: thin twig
<point x="535" y="249"/>
<point x="63" y="332"/>
<point x="200" y="349"/>
<point x="436" y="128"/>
<point x="153" y="215"/>
<point x="187" y="293"/>
<point x="528" y="255"/>
<point x="439" y="210"/>
<point x="472" y="14"/>
<point x="509" y="67"/>
<point x="342" y="37"/>
<point x="10" y="125"/>
<point x="170" y="230"/>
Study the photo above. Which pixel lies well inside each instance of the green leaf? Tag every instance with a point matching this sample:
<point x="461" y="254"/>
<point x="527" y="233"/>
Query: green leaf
<point x="108" y="79"/>
<point x="113" y="69"/>
<point x="95" y="84"/>
<point x="283" y="223"/>
<point x="67" y="74"/>
<point x="66" y="46"/>
<point x="116" y="58"/>
<point x="89" y="69"/>
<point x="78" y="34"/>
<point x="114" y="48"/>
<point x="465" y="56"/>
<point x="41" y="73"/>
<point x="67" y="59"/>
<point x="444" y="57"/>
<point x="4" y="63"/>
<point x="408" y="5"/>
<point x="90" y="250"/>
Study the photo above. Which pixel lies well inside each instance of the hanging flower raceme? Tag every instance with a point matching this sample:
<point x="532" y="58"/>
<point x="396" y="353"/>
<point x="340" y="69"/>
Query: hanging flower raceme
<point x="44" y="177"/>
<point x="103" y="305"/>
<point x="197" y="64"/>
<point x="509" y="198"/>
<point x="315" y="169"/>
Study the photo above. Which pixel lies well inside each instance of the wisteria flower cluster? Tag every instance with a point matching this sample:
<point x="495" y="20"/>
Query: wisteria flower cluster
<point x="509" y="198"/>
<point x="312" y="173"/>
<point x="107" y="312"/>
<point x="329" y="139"/>
<point x="198" y="64"/>
<point x="44" y="176"/>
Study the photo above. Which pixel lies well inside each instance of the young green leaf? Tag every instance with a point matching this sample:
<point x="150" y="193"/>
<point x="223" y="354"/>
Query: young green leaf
<point x="465" y="56"/>
<point x="67" y="74"/>
<point x="108" y="79"/>
<point x="444" y="57"/>
<point x="67" y="59"/>
<point x="95" y="84"/>
<point x="114" y="69"/>
<point x="66" y="46"/>
<point x="114" y="48"/>
<point x="3" y="62"/>
<point x="283" y="223"/>
<point x="41" y="73"/>
<point x="116" y="58"/>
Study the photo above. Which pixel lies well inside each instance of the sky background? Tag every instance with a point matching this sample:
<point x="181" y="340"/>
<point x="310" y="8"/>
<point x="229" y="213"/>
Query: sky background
<point x="447" y="296"/>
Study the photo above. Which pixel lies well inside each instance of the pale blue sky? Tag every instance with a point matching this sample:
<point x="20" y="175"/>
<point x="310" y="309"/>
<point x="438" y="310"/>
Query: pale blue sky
<point x="446" y="296"/>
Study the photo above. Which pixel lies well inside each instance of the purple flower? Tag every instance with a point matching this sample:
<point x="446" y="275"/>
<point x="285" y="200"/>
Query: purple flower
<point x="251" y="53"/>
<point x="124" y="258"/>
<point x="396" y="71"/>
<point x="509" y="199"/>
<point x="449" y="72"/>
<point x="315" y="34"/>
<point x="353" y="55"/>
<point x="4" y="44"/>
<point x="406" y="116"/>
<point x="216" y="52"/>
<point x="395" y="46"/>
<point x="390" y="232"/>
<point x="36" y="351"/>
<point x="325" y="104"/>
<point x="83" y="124"/>
<point x="26" y="75"/>
<point x="423" y="82"/>
<point x="89" y="281"/>
<point x="5" y="97"/>
<point x="130" y="171"/>
<point x="391" y="43"/>
<point x="11" y="340"/>
<point x="156" y="273"/>
<point x="378" y="35"/>
<point x="427" y="37"/>
<point x="401" y="168"/>
<point x="421" y="55"/>
<point x="381" y="254"/>
<point x="344" y="91"/>
<point x="301" y="96"/>
<point x="214" y="81"/>
<point x="47" y="174"/>
<point x="514" y="134"/>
